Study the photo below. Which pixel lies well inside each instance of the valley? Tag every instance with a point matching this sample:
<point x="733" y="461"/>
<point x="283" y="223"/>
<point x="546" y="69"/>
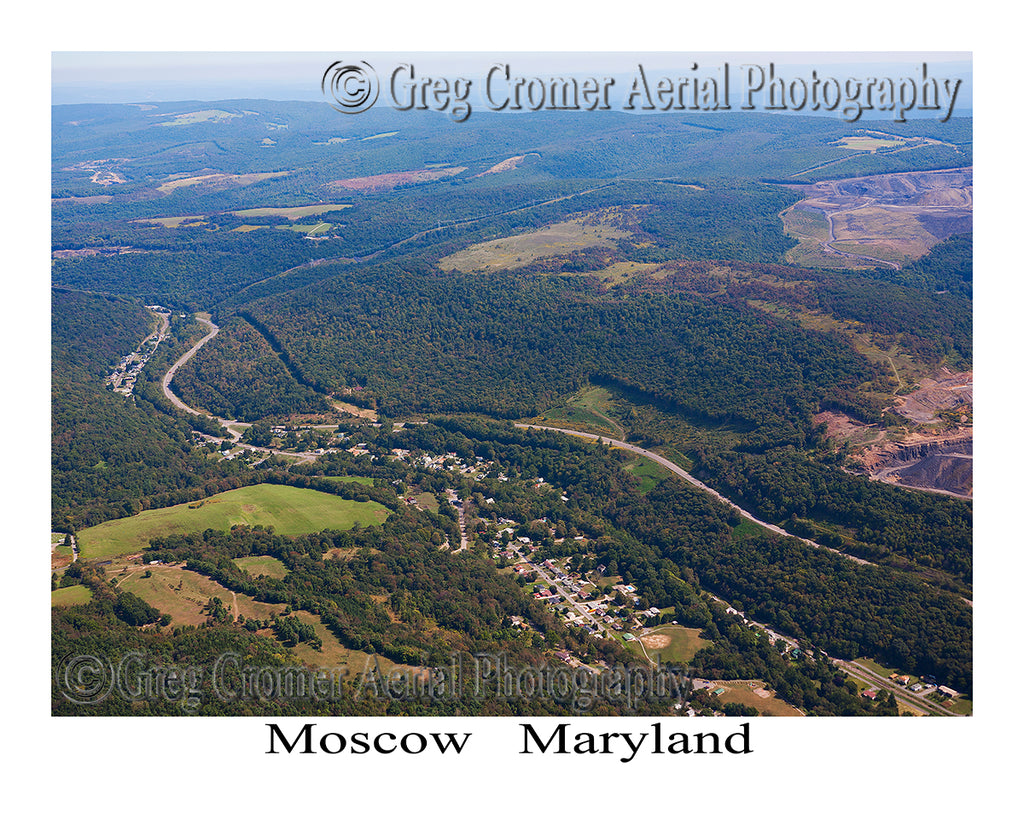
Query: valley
<point x="366" y="426"/>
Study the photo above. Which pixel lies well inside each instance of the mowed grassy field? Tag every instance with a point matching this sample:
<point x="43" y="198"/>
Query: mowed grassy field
<point x="183" y="594"/>
<point x="262" y="565"/>
<point x="676" y="645"/>
<point x="753" y="693"/>
<point x="290" y="510"/>
<point x="649" y="473"/>
<point x="70" y="596"/>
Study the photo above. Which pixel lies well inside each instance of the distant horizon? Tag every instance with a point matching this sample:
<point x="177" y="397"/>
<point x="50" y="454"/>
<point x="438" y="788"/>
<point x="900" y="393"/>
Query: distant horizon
<point x="166" y="77"/>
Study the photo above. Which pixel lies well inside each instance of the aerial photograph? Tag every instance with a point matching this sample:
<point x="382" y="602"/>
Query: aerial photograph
<point x="512" y="385"/>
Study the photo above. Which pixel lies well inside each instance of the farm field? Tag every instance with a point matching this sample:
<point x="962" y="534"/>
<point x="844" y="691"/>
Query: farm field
<point x="258" y="565"/>
<point x="70" y="596"/>
<point x="290" y="510"/>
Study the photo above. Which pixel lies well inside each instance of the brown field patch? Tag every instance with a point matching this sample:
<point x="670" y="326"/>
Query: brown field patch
<point x="183" y="594"/>
<point x="217" y="181"/>
<point x="390" y="181"/>
<point x="843" y="428"/>
<point x="754" y="694"/>
<point x="352" y="409"/>
<point x="656" y="641"/>
<point x="946" y="391"/>
<point x="100" y="199"/>
<point x="506" y="165"/>
<point x="94" y="251"/>
<point x="558" y="239"/>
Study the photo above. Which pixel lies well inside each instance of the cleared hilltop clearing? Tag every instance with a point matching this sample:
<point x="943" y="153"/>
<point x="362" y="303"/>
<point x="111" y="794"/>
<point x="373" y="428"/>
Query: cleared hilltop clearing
<point x="868" y="220"/>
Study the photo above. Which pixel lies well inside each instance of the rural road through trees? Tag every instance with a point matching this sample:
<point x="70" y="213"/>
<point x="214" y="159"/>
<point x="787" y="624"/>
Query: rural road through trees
<point x="682" y="473"/>
<point x="229" y="425"/>
<point x="169" y="376"/>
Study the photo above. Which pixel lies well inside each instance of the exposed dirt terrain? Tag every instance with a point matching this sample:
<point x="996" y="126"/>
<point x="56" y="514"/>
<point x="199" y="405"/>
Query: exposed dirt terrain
<point x="946" y="391"/>
<point x="848" y="430"/>
<point x="937" y="462"/>
<point x="390" y="181"/>
<point x="932" y="459"/>
<point x="937" y="456"/>
<point x="892" y="218"/>
<point x="505" y="165"/>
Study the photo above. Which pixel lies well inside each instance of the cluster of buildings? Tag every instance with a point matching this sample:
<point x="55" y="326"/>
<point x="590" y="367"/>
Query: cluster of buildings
<point x="126" y="371"/>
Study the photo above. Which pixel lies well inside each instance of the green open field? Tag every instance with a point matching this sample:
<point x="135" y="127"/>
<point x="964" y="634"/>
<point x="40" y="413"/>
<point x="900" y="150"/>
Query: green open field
<point x="351" y="479"/>
<point x="649" y="473"/>
<point x="746" y="529"/>
<point x="70" y="596"/>
<point x="290" y="213"/>
<point x="575" y="418"/>
<point x="309" y="230"/>
<point x="675" y="645"/>
<point x="290" y="510"/>
<point x="258" y="565"/>
<point x="590" y="410"/>
<point x="427" y="500"/>
<point x="335" y="655"/>
<point x="174" y="221"/>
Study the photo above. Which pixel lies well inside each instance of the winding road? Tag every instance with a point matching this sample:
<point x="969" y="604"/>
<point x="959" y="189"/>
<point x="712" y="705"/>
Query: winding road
<point x="169" y="375"/>
<point x="230" y="425"/>
<point x="686" y="476"/>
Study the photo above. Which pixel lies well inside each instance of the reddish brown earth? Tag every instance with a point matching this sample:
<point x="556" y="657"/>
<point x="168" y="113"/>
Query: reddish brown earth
<point x="390" y="181"/>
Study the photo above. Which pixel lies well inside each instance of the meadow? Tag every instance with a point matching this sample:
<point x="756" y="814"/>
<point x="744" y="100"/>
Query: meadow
<point x="289" y="510"/>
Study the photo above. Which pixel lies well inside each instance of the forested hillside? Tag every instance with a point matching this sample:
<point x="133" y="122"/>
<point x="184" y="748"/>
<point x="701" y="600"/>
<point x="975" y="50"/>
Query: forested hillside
<point x="393" y="289"/>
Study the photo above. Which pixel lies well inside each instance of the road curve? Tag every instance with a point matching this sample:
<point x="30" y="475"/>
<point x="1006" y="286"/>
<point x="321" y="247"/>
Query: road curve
<point x="169" y="375"/>
<point x="686" y="476"/>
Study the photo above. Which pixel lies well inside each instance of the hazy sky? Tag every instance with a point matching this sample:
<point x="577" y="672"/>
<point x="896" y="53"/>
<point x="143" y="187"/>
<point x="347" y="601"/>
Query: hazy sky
<point x="138" y="75"/>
